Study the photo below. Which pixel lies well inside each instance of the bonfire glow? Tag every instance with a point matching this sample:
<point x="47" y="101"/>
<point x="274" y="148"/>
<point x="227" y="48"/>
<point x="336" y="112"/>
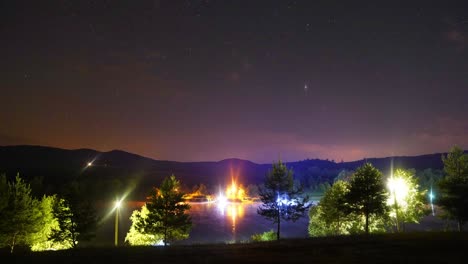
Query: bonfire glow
<point x="235" y="192"/>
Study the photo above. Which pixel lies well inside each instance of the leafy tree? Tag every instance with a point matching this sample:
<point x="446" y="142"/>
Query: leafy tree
<point x="328" y="217"/>
<point x="265" y="236"/>
<point x="280" y="197"/>
<point x="317" y="226"/>
<point x="66" y="230"/>
<point x="136" y="235"/>
<point x="21" y="214"/>
<point x="406" y="201"/>
<point x="367" y="195"/>
<point x="454" y="187"/>
<point x="166" y="213"/>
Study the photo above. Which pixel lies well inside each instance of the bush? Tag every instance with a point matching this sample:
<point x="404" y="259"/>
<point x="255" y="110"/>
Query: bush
<point x="265" y="236"/>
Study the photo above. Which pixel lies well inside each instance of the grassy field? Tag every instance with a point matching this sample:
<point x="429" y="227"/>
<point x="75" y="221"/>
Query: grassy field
<point x="402" y="248"/>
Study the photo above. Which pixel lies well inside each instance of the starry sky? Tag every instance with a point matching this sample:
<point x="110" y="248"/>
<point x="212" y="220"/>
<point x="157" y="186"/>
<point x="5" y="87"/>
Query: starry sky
<point x="214" y="79"/>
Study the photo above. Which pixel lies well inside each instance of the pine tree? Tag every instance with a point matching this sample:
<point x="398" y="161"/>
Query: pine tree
<point x="20" y="214"/>
<point x="167" y="215"/>
<point x="79" y="208"/>
<point x="48" y="222"/>
<point x="280" y="198"/>
<point x="454" y="187"/>
<point x="136" y="235"/>
<point x="66" y="230"/>
<point x="367" y="195"/>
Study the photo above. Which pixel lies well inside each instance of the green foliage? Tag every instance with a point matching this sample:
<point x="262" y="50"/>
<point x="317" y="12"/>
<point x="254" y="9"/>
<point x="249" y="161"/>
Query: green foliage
<point x="66" y="231"/>
<point x="20" y="214"/>
<point x="367" y="195"/>
<point x="166" y="213"/>
<point x="76" y="214"/>
<point x="453" y="195"/>
<point x="136" y="235"/>
<point x="408" y="204"/>
<point x="329" y="217"/>
<point x="279" y="183"/>
<point x="48" y="221"/>
<point x="265" y="236"/>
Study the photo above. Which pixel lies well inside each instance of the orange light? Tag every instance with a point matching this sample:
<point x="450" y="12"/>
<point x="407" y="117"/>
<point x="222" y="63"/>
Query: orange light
<point x="234" y="192"/>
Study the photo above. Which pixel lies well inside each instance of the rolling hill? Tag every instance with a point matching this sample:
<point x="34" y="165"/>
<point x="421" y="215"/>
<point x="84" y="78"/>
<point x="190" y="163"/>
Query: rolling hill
<point x="58" y="166"/>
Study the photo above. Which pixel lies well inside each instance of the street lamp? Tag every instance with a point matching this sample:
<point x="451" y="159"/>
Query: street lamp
<point x="117" y="211"/>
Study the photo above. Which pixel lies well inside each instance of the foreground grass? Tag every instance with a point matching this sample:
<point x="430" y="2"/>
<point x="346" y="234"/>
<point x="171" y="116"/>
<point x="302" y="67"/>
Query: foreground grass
<point x="402" y="248"/>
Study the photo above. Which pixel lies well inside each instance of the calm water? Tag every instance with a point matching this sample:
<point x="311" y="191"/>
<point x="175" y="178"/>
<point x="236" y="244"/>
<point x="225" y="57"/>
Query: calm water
<point x="235" y="222"/>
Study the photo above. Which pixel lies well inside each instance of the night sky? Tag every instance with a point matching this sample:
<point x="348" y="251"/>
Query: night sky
<point x="258" y="80"/>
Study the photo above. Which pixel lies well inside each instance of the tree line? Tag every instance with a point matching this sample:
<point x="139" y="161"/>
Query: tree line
<point x="363" y="201"/>
<point x="368" y="203"/>
<point x="44" y="222"/>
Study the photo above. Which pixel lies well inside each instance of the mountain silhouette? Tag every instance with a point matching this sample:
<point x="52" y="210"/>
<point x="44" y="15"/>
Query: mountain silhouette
<point x="57" y="166"/>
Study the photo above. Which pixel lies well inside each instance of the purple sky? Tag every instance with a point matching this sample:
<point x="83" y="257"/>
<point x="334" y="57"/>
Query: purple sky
<point x="258" y="80"/>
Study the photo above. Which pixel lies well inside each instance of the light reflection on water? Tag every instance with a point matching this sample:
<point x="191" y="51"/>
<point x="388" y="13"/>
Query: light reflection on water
<point x="214" y="223"/>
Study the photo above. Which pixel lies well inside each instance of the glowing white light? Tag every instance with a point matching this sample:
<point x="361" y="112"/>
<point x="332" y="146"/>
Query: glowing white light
<point x="398" y="189"/>
<point x="118" y="203"/>
<point x="89" y="164"/>
<point x="283" y="200"/>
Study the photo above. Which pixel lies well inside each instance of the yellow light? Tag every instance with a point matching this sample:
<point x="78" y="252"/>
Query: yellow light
<point x="398" y="189"/>
<point x="118" y="203"/>
<point x="235" y="192"/>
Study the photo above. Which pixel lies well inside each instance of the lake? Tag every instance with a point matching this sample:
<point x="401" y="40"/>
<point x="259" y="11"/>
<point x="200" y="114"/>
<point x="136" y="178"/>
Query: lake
<point x="234" y="222"/>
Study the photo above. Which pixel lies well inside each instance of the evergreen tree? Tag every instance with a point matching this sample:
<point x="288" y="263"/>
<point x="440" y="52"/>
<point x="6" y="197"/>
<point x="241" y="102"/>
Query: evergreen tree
<point x="367" y="195"/>
<point x="48" y="222"/>
<point x="136" y="235"/>
<point x="454" y="187"/>
<point x="166" y="213"/>
<point x="78" y="206"/>
<point x="280" y="198"/>
<point x="20" y="214"/>
<point x="66" y="230"/>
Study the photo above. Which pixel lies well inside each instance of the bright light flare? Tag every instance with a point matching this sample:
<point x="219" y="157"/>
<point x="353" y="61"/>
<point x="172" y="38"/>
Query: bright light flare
<point x="222" y="200"/>
<point x="235" y="192"/>
<point x="283" y="200"/>
<point x="118" y="203"/>
<point x="398" y="189"/>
